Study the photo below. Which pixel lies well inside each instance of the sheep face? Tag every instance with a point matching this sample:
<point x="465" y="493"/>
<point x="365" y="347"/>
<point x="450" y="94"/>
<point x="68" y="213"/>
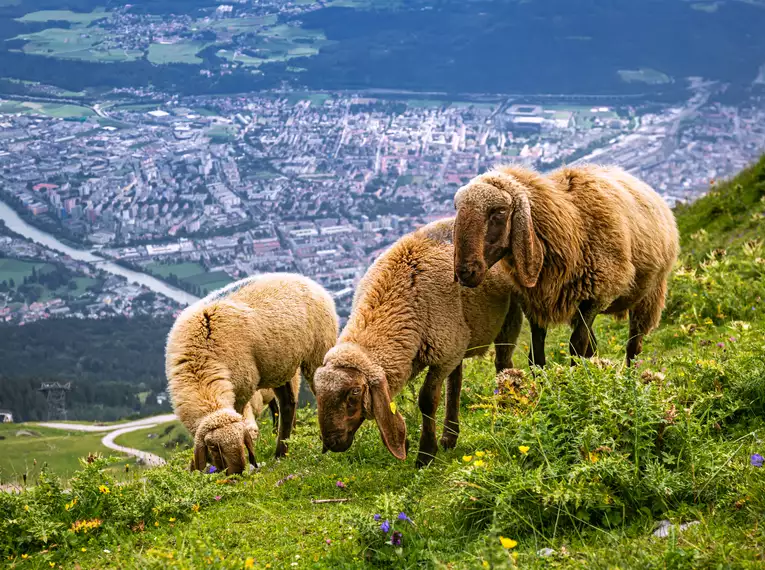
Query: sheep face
<point x="228" y="447"/>
<point x="493" y="222"/>
<point x="345" y="397"/>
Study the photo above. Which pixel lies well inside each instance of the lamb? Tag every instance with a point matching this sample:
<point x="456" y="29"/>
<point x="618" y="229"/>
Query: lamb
<point x="257" y="333"/>
<point x="409" y="314"/>
<point x="575" y="243"/>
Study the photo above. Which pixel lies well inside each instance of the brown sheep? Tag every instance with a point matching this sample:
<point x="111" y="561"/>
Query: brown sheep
<point x="409" y="314"/>
<point x="577" y="242"/>
<point x="259" y="332"/>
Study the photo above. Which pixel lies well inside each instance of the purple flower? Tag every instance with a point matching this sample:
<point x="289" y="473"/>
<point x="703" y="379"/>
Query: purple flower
<point x="496" y="391"/>
<point x="377" y="517"/>
<point x="212" y="469"/>
<point x="217" y="497"/>
<point x="395" y="540"/>
<point x="328" y="541"/>
<point x="340" y="484"/>
<point x="756" y="460"/>
<point x="732" y="339"/>
<point x="385" y="526"/>
<point x="402" y="517"/>
<point x="720" y="345"/>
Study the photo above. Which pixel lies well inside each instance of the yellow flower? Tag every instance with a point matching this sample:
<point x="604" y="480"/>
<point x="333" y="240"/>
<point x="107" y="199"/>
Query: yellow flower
<point x="249" y="563"/>
<point x="268" y="565"/>
<point x="478" y="463"/>
<point x="524" y="449"/>
<point x="104" y="489"/>
<point x="84" y="549"/>
<point x="25" y="556"/>
<point x="195" y="508"/>
<point x="593" y="457"/>
<point x="71" y="504"/>
<point x="485" y="563"/>
<point x="172" y="519"/>
<point x="467" y="458"/>
<point x="51" y="564"/>
<point x="26" y="507"/>
<point x="156" y="523"/>
<point x="393" y="407"/>
<point x="508" y="542"/>
<point x="479" y="453"/>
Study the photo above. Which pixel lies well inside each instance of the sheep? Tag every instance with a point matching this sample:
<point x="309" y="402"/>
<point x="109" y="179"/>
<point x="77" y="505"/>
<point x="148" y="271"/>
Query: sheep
<point x="409" y="314"/>
<point x="259" y="332"/>
<point x="577" y="242"/>
<point x="266" y="397"/>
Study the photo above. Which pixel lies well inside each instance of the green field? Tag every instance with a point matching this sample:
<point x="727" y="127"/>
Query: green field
<point x="17" y="269"/>
<point x="170" y="438"/>
<point x="192" y="274"/>
<point x="90" y="44"/>
<point x="83" y="18"/>
<point x="63" y="111"/>
<point x="569" y="467"/>
<point x="60" y="449"/>
<point x="644" y="75"/>
<point x="184" y="52"/>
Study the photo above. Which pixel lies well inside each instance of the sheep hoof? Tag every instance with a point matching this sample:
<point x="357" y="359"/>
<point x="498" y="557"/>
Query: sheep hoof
<point x="449" y="441"/>
<point x="281" y="449"/>
<point x="424" y="459"/>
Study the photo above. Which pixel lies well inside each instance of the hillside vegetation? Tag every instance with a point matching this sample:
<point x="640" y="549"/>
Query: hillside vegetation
<point x="572" y="468"/>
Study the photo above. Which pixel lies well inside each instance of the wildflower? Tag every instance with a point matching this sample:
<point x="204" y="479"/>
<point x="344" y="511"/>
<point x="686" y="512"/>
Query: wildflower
<point x="479" y="463"/>
<point x="393" y="407"/>
<point x="593" y="457"/>
<point x="172" y="519"/>
<point x="268" y="565"/>
<point x="756" y="460"/>
<point x="217" y="497"/>
<point x="70" y="504"/>
<point x="377" y="517"/>
<point x="107" y="551"/>
<point x="25" y="556"/>
<point x="524" y="449"/>
<point x="85" y="526"/>
<point x="249" y="563"/>
<point x="496" y="391"/>
<point x="720" y="345"/>
<point x="340" y="484"/>
<point x="467" y="458"/>
<point x="508" y="542"/>
<point x="195" y="508"/>
<point x="385" y="526"/>
<point x="104" y="489"/>
<point x="328" y="541"/>
<point x="479" y="453"/>
<point x="26" y="507"/>
<point x="52" y="564"/>
<point x="84" y="549"/>
<point x="156" y="523"/>
<point x="212" y="469"/>
<point x="485" y="563"/>
<point x="396" y="539"/>
<point x="402" y="517"/>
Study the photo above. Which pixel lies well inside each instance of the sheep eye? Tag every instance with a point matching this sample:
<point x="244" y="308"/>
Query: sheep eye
<point x="355" y="391"/>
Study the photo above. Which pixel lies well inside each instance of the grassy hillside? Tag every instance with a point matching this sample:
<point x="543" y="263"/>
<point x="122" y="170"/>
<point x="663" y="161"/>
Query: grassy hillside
<point x="574" y="468"/>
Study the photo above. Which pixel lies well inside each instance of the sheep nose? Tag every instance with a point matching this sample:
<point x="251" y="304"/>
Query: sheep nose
<point x="470" y="273"/>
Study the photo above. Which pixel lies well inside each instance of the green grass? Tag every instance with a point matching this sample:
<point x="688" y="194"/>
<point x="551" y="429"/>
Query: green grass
<point x="60" y="449"/>
<point x="63" y="111"/>
<point x="644" y="75"/>
<point x="170" y="437"/>
<point x="83" y="18"/>
<point x="77" y="42"/>
<point x="581" y="460"/>
<point x="17" y="269"/>
<point x="180" y="270"/>
<point x="183" y="52"/>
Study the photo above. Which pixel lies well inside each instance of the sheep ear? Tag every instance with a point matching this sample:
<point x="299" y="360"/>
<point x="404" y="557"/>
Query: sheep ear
<point x="526" y="247"/>
<point x="250" y="447"/>
<point x="391" y="425"/>
<point x="199" y="460"/>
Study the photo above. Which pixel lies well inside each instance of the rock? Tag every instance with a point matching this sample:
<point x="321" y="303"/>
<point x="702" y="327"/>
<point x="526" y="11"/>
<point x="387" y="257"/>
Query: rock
<point x="665" y="526"/>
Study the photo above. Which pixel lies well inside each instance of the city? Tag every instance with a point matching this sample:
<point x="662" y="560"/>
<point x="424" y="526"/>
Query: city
<point x="199" y="191"/>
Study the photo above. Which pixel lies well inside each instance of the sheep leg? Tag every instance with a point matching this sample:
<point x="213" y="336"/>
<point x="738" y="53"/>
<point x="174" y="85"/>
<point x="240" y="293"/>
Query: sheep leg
<point x="452" y="421"/>
<point x="537" y="351"/>
<point x="583" y="342"/>
<point x="273" y="407"/>
<point x="507" y="339"/>
<point x="644" y="317"/>
<point x="287" y="408"/>
<point x="430" y="395"/>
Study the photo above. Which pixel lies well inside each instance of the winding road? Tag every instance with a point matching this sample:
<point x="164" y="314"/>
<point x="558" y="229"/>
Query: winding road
<point x="116" y="430"/>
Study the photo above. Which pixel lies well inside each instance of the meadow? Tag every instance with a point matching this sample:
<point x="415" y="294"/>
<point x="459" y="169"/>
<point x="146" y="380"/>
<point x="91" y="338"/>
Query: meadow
<point x="565" y="467"/>
<point x="58" y="110"/>
<point x="191" y="274"/>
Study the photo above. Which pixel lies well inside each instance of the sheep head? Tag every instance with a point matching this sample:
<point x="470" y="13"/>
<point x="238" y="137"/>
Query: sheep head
<point x="224" y="437"/>
<point x="350" y="388"/>
<point x="494" y="221"/>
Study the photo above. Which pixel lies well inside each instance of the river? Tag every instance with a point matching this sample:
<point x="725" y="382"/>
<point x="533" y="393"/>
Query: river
<point x="16" y="224"/>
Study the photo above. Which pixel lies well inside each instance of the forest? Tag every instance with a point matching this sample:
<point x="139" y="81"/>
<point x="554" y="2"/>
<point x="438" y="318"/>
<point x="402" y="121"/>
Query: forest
<point x="113" y="365"/>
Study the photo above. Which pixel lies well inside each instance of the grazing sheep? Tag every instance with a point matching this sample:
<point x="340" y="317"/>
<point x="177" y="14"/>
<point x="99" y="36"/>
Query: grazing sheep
<point x="266" y="397"/>
<point x="408" y="314"/>
<point x="259" y="332"/>
<point x="577" y="242"/>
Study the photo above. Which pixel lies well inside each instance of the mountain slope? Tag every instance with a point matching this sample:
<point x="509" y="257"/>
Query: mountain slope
<point x="572" y="469"/>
